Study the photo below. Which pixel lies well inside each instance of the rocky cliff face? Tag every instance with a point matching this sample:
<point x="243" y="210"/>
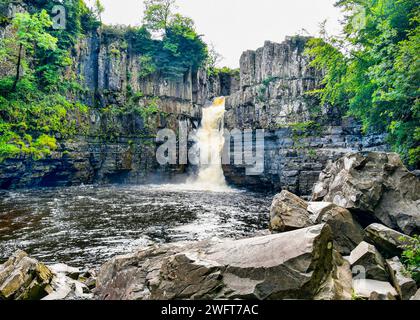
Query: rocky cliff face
<point x="271" y="94"/>
<point x="119" y="145"/>
<point x="300" y="134"/>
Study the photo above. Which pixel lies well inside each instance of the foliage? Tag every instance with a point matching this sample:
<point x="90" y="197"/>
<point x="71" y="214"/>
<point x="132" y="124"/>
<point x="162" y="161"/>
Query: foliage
<point x="44" y="119"/>
<point x="179" y="48"/>
<point x="157" y="14"/>
<point x="213" y="59"/>
<point x="235" y="73"/>
<point x="39" y="108"/>
<point x="303" y="129"/>
<point x="411" y="257"/>
<point x="373" y="70"/>
<point x="29" y="34"/>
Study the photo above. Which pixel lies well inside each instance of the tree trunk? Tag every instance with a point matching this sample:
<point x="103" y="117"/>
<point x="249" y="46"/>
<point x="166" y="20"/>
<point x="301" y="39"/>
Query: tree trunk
<point x="19" y="62"/>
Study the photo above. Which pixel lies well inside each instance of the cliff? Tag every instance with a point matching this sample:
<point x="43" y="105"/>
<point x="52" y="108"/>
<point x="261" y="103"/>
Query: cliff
<point x="116" y="140"/>
<point x="301" y="135"/>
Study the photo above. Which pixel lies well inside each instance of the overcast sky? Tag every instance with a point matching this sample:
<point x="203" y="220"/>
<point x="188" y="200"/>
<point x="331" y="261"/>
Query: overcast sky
<point x="234" y="26"/>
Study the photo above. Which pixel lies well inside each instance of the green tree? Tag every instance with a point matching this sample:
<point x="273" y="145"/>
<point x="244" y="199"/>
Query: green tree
<point x="179" y="48"/>
<point x="158" y="14"/>
<point x="372" y="71"/>
<point x="30" y="34"/>
<point x="99" y="9"/>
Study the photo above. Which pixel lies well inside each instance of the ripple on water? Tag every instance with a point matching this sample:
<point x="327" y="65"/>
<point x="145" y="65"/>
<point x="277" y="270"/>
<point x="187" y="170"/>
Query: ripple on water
<point x="87" y="225"/>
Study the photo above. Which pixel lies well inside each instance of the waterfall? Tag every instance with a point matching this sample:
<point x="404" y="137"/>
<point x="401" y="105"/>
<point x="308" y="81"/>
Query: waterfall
<point x="210" y="143"/>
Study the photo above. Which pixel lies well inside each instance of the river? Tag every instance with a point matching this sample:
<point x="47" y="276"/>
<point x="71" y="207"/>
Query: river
<point x="87" y="225"/>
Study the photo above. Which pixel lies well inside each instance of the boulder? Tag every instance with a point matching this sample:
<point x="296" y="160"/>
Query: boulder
<point x="389" y="242"/>
<point x="288" y="212"/>
<point x="376" y="186"/>
<point x="366" y="256"/>
<point x="339" y="284"/>
<point x="292" y="265"/>
<point x="373" y="289"/>
<point x="24" y="278"/>
<point x="405" y="286"/>
<point x="347" y="232"/>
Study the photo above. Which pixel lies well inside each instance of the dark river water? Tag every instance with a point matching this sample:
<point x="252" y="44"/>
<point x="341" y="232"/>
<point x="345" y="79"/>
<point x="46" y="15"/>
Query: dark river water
<point x="86" y="226"/>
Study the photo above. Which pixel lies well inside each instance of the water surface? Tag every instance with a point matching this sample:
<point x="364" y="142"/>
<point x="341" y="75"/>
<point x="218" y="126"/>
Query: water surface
<point x="85" y="226"/>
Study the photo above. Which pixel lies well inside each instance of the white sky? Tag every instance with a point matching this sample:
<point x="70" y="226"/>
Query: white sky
<point x="234" y="26"/>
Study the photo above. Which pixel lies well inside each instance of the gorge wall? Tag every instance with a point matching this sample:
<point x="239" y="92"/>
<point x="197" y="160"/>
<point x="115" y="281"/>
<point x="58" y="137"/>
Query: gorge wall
<point x="117" y="144"/>
<point x="301" y="135"/>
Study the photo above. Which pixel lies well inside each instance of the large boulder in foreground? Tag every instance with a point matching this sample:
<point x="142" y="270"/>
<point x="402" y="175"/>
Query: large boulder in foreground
<point x="292" y="265"/>
<point x="377" y="186"/>
<point x="24" y="278"/>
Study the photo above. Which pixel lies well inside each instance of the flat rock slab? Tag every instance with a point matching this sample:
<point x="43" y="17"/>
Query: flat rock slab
<point x="292" y="265"/>
<point x="364" y="288"/>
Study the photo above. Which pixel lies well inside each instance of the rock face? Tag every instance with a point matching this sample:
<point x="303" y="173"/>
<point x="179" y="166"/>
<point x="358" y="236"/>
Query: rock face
<point x="24" y="278"/>
<point x="117" y="147"/>
<point x="291" y="265"/>
<point x="288" y="212"/>
<point x="366" y="256"/>
<point x="377" y="186"/>
<point x="113" y="147"/>
<point x="389" y="242"/>
<point x="269" y="93"/>
<point x="274" y="82"/>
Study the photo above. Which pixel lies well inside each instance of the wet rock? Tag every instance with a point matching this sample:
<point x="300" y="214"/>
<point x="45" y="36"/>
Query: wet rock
<point x="291" y="265"/>
<point x="405" y="286"/>
<point x="24" y="278"/>
<point x="374" y="289"/>
<point x="389" y="242"/>
<point x="374" y="185"/>
<point x="365" y="255"/>
<point x="288" y="212"/>
<point x="347" y="232"/>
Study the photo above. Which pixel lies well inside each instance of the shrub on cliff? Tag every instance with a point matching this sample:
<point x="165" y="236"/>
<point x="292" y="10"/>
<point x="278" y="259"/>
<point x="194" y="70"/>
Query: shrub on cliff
<point x="168" y="41"/>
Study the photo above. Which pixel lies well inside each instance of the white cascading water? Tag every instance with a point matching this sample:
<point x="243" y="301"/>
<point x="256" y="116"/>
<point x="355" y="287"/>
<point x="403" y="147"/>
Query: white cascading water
<point x="210" y="142"/>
